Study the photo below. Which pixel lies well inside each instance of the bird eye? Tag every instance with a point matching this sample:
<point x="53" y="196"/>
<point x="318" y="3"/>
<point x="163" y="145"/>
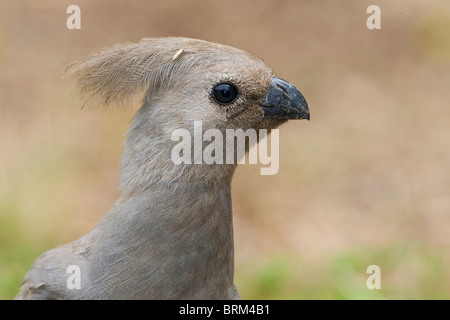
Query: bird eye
<point x="225" y="93"/>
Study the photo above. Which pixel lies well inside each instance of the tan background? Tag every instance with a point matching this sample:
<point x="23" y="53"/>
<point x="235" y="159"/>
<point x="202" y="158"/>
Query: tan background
<point x="366" y="181"/>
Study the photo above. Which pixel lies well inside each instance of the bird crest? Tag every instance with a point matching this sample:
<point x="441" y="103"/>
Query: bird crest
<point x="125" y="71"/>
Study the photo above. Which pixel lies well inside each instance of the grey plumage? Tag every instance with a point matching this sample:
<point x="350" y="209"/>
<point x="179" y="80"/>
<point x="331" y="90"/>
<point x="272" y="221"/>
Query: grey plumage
<point x="170" y="234"/>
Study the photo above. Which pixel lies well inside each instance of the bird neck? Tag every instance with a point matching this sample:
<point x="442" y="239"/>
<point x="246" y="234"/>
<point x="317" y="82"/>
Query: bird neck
<point x="175" y="221"/>
<point x="179" y="240"/>
<point x="147" y="158"/>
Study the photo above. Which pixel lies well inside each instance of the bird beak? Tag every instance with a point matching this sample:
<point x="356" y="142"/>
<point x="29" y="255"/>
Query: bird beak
<point x="284" y="102"/>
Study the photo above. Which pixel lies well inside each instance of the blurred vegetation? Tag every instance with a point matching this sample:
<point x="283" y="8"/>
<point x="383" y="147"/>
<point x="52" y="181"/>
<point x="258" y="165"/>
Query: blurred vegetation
<point x="407" y="272"/>
<point x="366" y="181"/>
<point x="16" y="253"/>
<point x="433" y="36"/>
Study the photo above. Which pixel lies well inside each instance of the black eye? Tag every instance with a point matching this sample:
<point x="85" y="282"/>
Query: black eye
<point x="225" y="93"/>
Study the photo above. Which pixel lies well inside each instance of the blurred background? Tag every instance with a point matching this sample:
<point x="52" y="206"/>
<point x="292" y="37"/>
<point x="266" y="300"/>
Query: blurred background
<point x="365" y="182"/>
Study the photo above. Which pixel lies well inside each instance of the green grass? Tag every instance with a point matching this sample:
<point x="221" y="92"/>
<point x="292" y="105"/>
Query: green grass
<point x="17" y="252"/>
<point x="407" y="272"/>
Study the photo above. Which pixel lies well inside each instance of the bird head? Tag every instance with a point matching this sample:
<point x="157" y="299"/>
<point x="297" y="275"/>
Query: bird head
<point x="183" y="81"/>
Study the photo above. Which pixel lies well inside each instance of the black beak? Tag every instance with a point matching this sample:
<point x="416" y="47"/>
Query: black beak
<point x="284" y="102"/>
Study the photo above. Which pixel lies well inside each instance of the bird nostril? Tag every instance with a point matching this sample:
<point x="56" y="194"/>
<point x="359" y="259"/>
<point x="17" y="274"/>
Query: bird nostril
<point x="282" y="88"/>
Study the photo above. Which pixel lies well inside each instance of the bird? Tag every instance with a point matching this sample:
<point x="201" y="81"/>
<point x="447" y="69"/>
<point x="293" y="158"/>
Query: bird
<point x="170" y="233"/>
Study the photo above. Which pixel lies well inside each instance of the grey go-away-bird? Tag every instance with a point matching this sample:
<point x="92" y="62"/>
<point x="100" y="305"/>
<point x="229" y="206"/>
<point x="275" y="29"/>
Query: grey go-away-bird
<point x="170" y="234"/>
